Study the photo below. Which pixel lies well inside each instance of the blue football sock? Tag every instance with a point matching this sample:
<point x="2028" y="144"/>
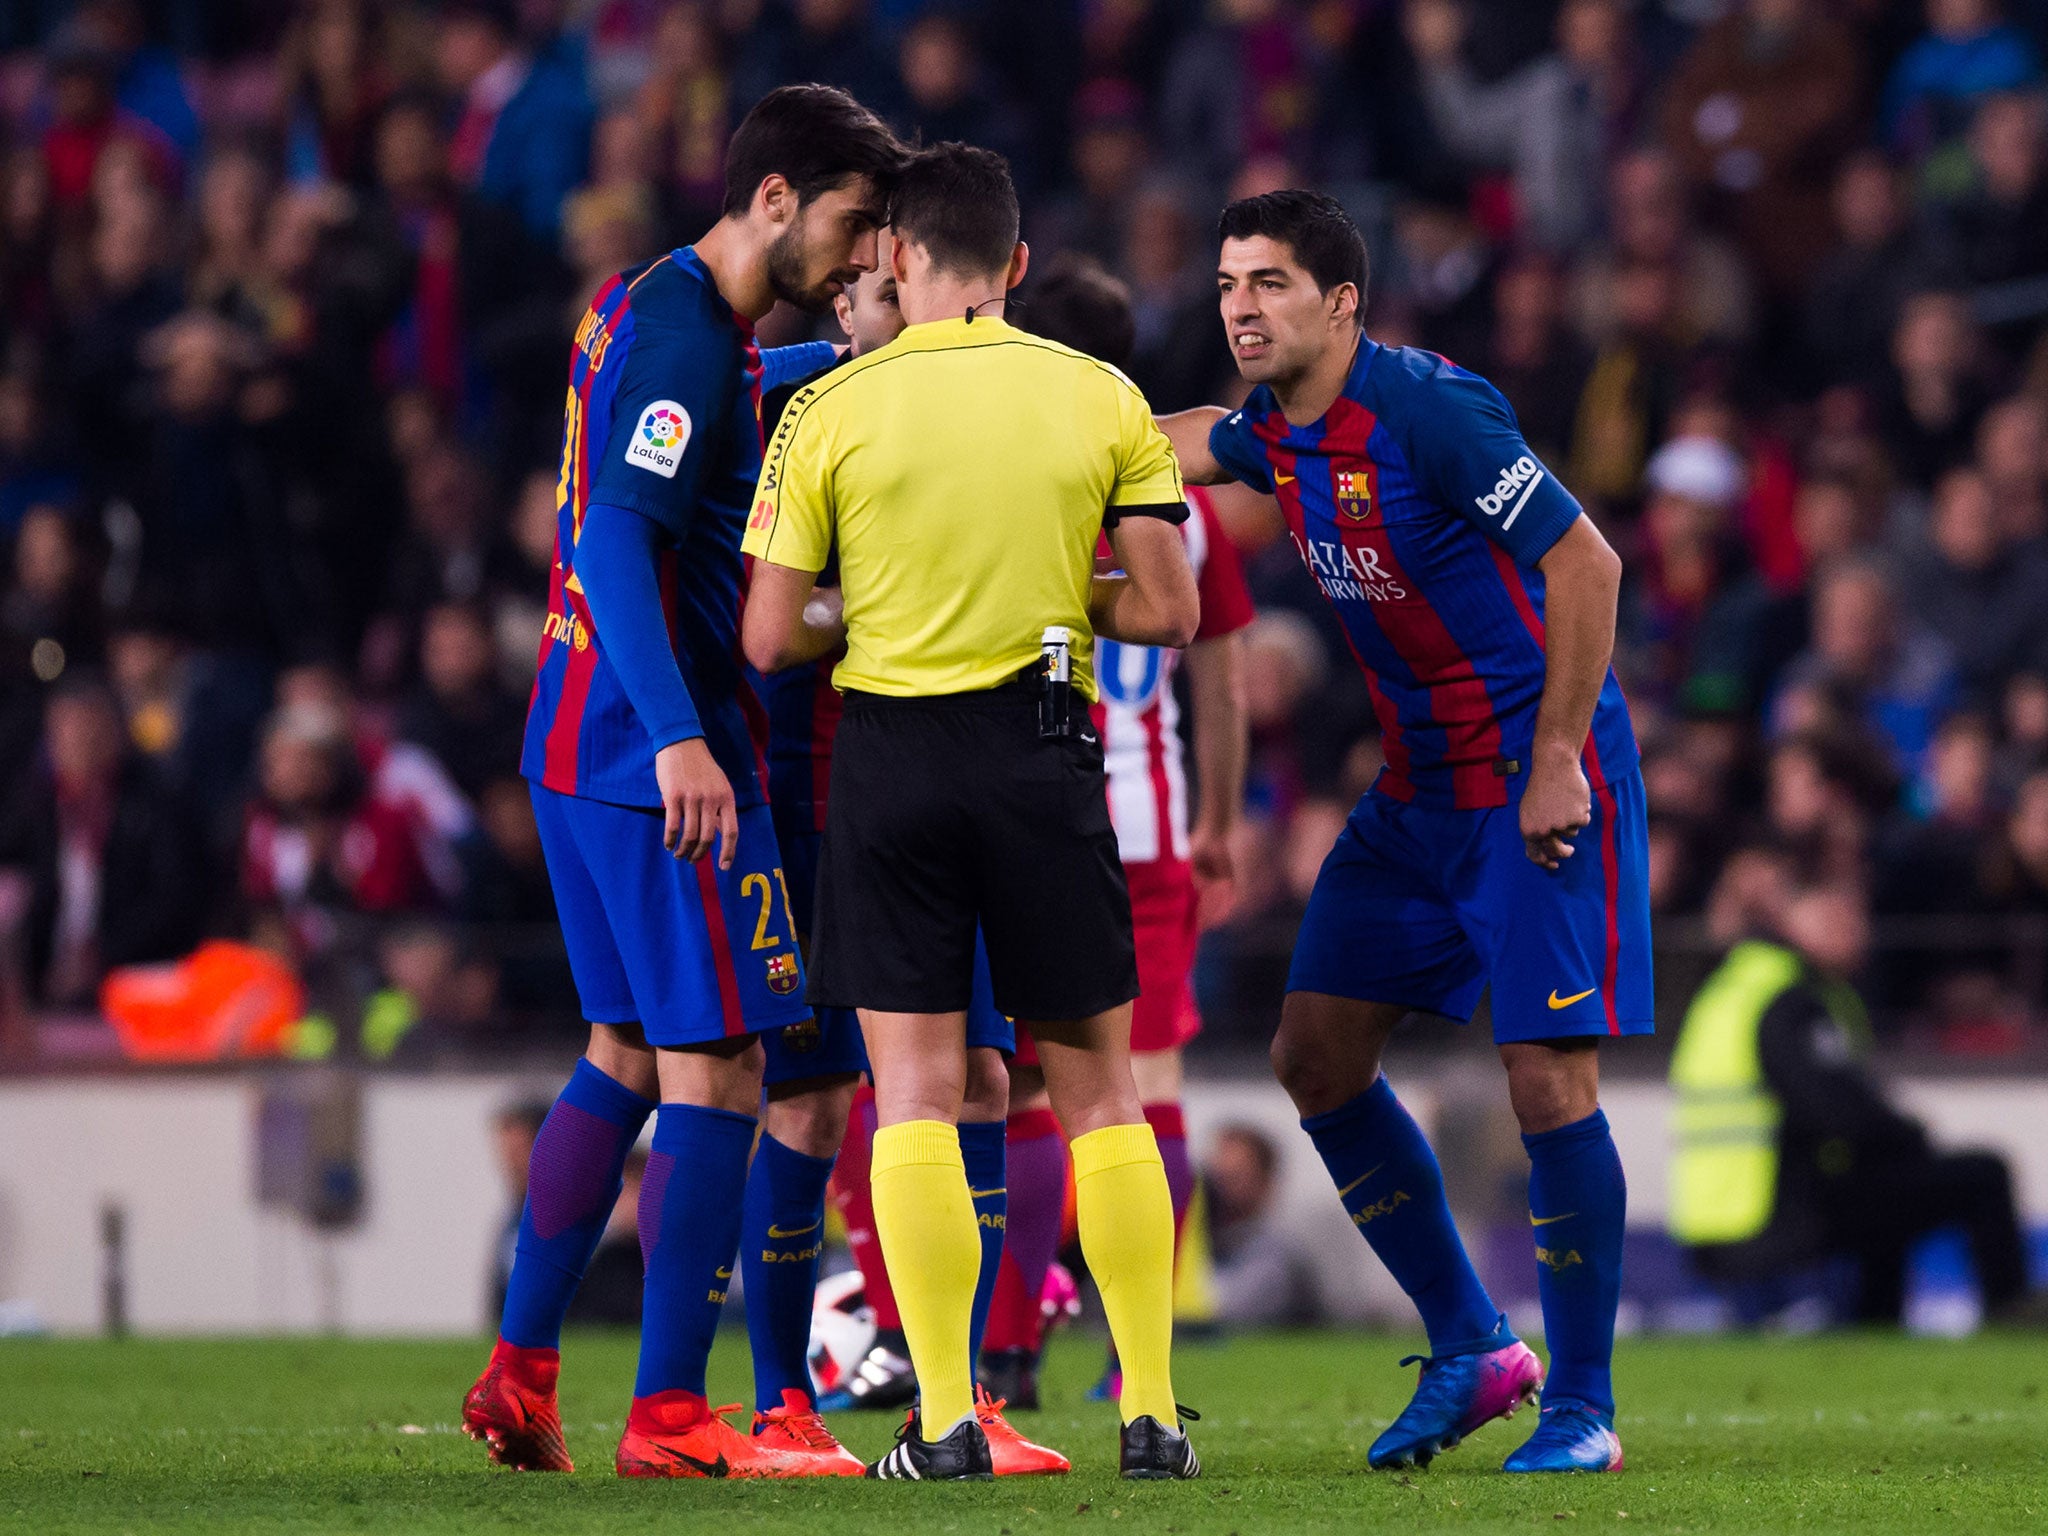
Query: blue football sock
<point x="1393" y="1190"/>
<point x="573" y="1183"/>
<point x="1578" y="1200"/>
<point x="984" y="1148"/>
<point x="690" y="1204"/>
<point x="782" y="1234"/>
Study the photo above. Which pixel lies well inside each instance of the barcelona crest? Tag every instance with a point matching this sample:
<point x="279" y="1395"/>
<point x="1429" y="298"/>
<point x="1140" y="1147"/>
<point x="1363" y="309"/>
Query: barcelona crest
<point x="782" y="973"/>
<point x="802" y="1037"/>
<point x="1354" y="494"/>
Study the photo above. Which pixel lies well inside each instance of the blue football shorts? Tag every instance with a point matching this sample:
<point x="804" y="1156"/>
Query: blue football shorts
<point x="689" y="952"/>
<point x="1426" y="908"/>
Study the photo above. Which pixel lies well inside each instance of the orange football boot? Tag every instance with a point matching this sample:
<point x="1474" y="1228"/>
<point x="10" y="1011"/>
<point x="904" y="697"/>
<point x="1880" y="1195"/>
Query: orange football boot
<point x="1009" y="1452"/>
<point x="674" y="1434"/>
<point x="798" y="1428"/>
<point x="512" y="1410"/>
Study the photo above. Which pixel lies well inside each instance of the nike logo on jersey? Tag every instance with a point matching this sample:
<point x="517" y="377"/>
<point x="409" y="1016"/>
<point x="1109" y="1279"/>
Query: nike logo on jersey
<point x="983" y="1194"/>
<point x="1557" y="1002"/>
<point x="1283" y="479"/>
<point x="1359" y="1180"/>
<point x="777" y="1233"/>
<point x="724" y="1274"/>
<point x="1544" y="1221"/>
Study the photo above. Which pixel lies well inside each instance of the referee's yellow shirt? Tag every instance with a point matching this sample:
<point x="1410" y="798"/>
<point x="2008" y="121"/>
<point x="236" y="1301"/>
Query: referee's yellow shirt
<point x="961" y="473"/>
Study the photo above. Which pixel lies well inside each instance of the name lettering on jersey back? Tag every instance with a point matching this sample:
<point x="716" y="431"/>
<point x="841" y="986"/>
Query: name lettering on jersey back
<point x="1511" y="492"/>
<point x="1349" y="575"/>
<point x="593" y="338"/>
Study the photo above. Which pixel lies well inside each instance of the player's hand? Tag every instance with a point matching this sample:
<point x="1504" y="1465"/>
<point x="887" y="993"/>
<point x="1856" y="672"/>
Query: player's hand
<point x="1215" y="869"/>
<point x="1556" y="807"/>
<point x="696" y="803"/>
<point x="1209" y="854"/>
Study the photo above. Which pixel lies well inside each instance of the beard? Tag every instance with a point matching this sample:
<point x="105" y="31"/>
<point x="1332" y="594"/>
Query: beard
<point x="788" y="274"/>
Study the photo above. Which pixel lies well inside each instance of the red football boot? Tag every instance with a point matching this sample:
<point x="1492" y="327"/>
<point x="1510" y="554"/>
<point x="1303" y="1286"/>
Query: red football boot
<point x="1010" y="1454"/>
<point x="799" y="1429"/>
<point x="512" y="1410"/>
<point x="675" y="1434"/>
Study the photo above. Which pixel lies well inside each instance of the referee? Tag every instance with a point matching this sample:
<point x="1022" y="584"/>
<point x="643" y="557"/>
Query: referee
<point x="965" y="474"/>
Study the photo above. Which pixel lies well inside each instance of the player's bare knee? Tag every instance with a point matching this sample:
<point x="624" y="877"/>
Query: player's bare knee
<point x="1320" y="1066"/>
<point x="810" y="1116"/>
<point x="622" y="1054"/>
<point x="988" y="1086"/>
<point x="720" y="1074"/>
<point x="1316" y="1078"/>
<point x="1552" y="1085"/>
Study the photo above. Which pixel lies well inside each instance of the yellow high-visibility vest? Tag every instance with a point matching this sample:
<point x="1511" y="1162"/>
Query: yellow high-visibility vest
<point x="1724" y="1171"/>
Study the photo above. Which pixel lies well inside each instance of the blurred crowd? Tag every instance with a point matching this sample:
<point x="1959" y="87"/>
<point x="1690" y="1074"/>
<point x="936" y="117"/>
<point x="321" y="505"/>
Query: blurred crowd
<point x="286" y="293"/>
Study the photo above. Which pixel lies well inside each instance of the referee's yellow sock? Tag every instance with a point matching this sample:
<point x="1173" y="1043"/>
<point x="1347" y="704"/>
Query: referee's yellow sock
<point x="924" y="1216"/>
<point x="1126" y="1216"/>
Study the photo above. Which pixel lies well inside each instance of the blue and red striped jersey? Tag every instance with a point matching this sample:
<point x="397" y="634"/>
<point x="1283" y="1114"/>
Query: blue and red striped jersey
<point x="803" y="719"/>
<point x="663" y="419"/>
<point x="803" y="706"/>
<point x="1421" y="513"/>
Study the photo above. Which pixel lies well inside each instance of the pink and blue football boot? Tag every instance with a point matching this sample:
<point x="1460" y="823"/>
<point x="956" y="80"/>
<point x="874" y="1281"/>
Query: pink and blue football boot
<point x="1570" y="1437"/>
<point x="1453" y="1398"/>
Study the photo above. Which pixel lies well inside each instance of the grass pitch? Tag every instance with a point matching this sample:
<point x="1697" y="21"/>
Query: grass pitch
<point x="1852" y="1433"/>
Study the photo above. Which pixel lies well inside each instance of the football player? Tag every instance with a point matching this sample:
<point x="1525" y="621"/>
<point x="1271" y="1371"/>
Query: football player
<point x="1504" y="845"/>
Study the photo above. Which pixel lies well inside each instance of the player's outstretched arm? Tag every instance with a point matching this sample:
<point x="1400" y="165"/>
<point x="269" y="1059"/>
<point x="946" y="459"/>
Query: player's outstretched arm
<point x="1154" y="600"/>
<point x="789" y="620"/>
<point x="1581" y="587"/>
<point x="1188" y="431"/>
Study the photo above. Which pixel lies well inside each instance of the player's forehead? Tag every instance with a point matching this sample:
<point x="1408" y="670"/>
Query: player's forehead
<point x="856" y="197"/>
<point x="1247" y="256"/>
<point x="873" y="287"/>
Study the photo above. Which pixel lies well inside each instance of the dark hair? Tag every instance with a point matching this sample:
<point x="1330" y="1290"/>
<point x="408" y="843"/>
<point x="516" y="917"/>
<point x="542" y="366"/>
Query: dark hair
<point x="816" y="138"/>
<point x="1080" y="305"/>
<point x="1314" y="226"/>
<point x="958" y="203"/>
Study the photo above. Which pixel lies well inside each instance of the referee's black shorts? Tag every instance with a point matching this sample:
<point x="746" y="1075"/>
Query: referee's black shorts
<point x="951" y="811"/>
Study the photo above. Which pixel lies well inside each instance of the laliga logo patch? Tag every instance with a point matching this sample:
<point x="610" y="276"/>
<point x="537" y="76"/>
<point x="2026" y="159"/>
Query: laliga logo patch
<point x="782" y="974"/>
<point x="658" y="442"/>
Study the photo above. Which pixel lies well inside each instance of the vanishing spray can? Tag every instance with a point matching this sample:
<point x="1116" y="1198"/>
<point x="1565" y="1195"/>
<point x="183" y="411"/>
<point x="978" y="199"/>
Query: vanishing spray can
<point x="1055" y="681"/>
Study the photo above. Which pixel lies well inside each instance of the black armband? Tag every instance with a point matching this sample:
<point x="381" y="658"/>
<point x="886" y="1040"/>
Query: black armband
<point x="1175" y="512"/>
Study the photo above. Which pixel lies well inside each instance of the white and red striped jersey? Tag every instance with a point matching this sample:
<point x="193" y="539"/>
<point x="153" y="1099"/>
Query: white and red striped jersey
<point x="1138" y="715"/>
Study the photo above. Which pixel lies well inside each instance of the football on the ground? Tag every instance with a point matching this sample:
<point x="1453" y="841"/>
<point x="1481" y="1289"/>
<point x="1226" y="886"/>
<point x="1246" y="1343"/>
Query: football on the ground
<point x="842" y="1329"/>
